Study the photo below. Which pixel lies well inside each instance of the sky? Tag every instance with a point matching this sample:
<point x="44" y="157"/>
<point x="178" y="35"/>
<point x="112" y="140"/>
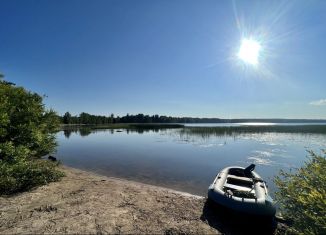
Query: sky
<point x="177" y="58"/>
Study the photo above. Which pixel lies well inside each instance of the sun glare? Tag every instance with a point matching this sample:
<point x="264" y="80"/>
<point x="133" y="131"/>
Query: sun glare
<point x="249" y="51"/>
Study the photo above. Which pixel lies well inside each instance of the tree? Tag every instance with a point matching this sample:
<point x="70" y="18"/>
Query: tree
<point x="25" y="124"/>
<point x="111" y="120"/>
<point x="302" y="195"/>
<point x="67" y="118"/>
<point x="27" y="132"/>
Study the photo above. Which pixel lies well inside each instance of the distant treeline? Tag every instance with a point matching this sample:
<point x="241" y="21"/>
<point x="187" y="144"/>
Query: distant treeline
<point x="85" y="118"/>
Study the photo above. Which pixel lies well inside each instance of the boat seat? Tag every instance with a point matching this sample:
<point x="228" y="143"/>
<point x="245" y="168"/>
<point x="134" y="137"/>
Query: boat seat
<point x="237" y="187"/>
<point x="246" y="179"/>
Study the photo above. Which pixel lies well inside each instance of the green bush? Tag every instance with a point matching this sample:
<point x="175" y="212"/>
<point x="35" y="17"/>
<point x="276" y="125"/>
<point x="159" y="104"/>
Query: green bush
<point x="27" y="132"/>
<point x="25" y="125"/>
<point x="26" y="174"/>
<point x="302" y="195"/>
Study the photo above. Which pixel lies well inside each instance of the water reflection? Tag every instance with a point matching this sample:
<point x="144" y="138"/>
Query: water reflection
<point x="77" y="130"/>
<point x="67" y="133"/>
<point x="85" y="131"/>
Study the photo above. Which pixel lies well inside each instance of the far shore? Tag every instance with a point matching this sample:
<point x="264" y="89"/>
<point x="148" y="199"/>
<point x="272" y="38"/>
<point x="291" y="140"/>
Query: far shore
<point x="84" y="202"/>
<point x="213" y="130"/>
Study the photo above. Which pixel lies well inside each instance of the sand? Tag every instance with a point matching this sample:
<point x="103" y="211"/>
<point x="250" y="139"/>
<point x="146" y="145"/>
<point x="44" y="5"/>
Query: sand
<point x="84" y="202"/>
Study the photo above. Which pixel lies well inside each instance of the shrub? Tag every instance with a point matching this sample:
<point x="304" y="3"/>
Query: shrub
<point x="27" y="132"/>
<point x="26" y="174"/>
<point x="25" y="125"/>
<point x="302" y="195"/>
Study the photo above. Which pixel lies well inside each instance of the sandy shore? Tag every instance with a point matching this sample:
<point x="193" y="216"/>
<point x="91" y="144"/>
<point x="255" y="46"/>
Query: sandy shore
<point x="83" y="202"/>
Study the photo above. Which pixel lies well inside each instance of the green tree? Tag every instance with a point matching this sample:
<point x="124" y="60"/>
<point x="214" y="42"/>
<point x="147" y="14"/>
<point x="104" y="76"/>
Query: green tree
<point x="111" y="120"/>
<point x="25" y="125"/>
<point x="67" y="118"/>
<point x="302" y="195"/>
<point x="27" y="132"/>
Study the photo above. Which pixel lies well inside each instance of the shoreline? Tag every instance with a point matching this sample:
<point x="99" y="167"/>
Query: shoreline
<point x="133" y="182"/>
<point x="85" y="202"/>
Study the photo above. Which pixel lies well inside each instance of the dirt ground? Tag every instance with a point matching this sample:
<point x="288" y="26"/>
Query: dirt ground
<point x="83" y="202"/>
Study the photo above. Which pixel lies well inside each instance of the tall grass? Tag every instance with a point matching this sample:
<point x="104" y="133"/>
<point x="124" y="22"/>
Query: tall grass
<point x="234" y="130"/>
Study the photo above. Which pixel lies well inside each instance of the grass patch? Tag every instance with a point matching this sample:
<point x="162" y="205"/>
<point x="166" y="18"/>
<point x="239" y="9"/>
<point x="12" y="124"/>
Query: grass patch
<point x="232" y="130"/>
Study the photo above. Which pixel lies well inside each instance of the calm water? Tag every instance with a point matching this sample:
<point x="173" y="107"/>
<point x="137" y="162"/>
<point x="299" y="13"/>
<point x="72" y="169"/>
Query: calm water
<point x="253" y="124"/>
<point x="182" y="160"/>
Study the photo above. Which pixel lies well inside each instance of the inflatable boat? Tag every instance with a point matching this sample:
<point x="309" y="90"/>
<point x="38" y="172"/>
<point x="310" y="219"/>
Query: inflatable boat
<point x="242" y="190"/>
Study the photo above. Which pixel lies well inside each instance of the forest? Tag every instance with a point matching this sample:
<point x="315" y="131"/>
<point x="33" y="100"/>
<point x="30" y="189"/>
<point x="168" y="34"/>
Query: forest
<point x="86" y="118"/>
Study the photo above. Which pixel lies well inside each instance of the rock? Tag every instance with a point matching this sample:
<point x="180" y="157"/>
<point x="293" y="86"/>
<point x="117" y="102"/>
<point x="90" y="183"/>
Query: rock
<point x="52" y="158"/>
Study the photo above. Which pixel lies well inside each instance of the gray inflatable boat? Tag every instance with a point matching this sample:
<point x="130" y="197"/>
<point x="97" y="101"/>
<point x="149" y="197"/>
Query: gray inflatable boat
<point x="241" y="189"/>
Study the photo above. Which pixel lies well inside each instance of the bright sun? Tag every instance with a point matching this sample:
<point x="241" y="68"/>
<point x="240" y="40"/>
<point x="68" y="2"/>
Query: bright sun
<point x="249" y="51"/>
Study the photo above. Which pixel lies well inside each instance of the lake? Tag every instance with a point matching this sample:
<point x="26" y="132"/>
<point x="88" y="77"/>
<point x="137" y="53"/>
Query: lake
<point x="185" y="159"/>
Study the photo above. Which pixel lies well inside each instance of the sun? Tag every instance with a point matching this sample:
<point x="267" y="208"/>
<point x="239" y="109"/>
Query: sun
<point x="249" y="51"/>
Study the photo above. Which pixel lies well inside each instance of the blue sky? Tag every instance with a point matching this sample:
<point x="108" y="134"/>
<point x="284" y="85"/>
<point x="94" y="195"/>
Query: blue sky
<point x="168" y="57"/>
